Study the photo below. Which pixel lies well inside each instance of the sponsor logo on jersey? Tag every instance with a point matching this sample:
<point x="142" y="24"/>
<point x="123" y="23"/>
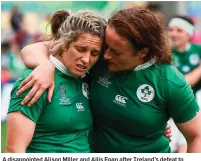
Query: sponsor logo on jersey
<point x="194" y="59"/>
<point x="85" y="90"/>
<point x="145" y="93"/>
<point x="120" y="100"/>
<point x="63" y="100"/>
<point x="80" y="107"/>
<point x="185" y="68"/>
<point x="104" y="80"/>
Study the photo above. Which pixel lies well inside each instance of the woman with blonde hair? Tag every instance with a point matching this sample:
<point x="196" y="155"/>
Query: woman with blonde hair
<point x="61" y="125"/>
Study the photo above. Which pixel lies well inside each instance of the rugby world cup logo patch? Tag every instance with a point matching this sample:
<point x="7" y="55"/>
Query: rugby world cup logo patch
<point x="63" y="100"/>
<point x="145" y="93"/>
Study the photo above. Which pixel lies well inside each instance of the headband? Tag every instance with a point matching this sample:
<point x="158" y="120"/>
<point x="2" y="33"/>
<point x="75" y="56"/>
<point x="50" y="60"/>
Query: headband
<point x="189" y="28"/>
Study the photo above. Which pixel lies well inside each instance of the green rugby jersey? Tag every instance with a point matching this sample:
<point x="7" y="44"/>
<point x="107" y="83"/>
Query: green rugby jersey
<point x="62" y="126"/>
<point x="187" y="61"/>
<point x="131" y="109"/>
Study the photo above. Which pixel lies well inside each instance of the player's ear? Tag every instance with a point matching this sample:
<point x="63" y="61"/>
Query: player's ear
<point x="143" y="52"/>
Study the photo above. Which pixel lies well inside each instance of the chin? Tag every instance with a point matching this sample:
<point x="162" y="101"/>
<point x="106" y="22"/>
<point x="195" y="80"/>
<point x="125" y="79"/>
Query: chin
<point x="175" y="44"/>
<point x="111" y="69"/>
<point x="78" y="74"/>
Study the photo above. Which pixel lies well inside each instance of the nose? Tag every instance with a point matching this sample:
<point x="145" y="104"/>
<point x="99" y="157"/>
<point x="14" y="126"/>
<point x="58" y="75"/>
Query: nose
<point x="107" y="55"/>
<point x="86" y="58"/>
<point x="173" y="33"/>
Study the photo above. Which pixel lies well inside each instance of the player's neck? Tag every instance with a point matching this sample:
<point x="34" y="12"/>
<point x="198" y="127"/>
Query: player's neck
<point x="183" y="48"/>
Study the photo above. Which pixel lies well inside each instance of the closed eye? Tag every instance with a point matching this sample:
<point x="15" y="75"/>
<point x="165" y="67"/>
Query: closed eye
<point x="81" y="49"/>
<point x="115" y="51"/>
<point x="95" y="53"/>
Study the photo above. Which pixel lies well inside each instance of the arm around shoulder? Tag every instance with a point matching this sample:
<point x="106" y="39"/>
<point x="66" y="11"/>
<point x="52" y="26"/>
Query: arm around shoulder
<point x="35" y="54"/>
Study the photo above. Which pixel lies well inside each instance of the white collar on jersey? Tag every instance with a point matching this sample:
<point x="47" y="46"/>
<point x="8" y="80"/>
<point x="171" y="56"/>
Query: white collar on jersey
<point x="188" y="46"/>
<point x="60" y="66"/>
<point x="145" y="65"/>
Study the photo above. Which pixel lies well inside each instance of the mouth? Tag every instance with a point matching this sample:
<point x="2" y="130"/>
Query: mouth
<point x="81" y="68"/>
<point x="174" y="39"/>
<point x="110" y="63"/>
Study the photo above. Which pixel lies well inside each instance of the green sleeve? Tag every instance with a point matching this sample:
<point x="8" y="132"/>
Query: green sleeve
<point x="33" y="112"/>
<point x="198" y="49"/>
<point x="182" y="105"/>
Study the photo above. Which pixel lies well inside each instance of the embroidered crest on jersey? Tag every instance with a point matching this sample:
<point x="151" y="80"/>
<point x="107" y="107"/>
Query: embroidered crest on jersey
<point x="80" y="107"/>
<point x="104" y="81"/>
<point x="194" y="59"/>
<point x="120" y="100"/>
<point x="185" y="68"/>
<point x="145" y="93"/>
<point x="85" y="90"/>
<point x="63" y="100"/>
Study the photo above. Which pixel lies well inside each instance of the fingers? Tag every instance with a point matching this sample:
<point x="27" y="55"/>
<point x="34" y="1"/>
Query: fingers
<point x="24" y="86"/>
<point x="167" y="132"/>
<point x="25" y="81"/>
<point x="168" y="127"/>
<point x="30" y="95"/>
<point x="169" y="136"/>
<point x="50" y="92"/>
<point x="36" y="97"/>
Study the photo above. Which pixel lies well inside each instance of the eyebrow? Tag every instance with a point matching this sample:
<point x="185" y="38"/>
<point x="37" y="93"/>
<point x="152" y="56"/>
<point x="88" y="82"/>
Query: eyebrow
<point x="84" y="46"/>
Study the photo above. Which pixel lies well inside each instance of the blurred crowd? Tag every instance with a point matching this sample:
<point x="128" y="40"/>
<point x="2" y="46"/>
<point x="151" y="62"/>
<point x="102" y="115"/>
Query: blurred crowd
<point x="12" y="42"/>
<point x="14" y="39"/>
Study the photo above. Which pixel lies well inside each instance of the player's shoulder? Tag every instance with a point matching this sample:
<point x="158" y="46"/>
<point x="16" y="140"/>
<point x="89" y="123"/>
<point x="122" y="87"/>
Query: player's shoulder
<point x="25" y="74"/>
<point x="169" y="74"/>
<point x="196" y="47"/>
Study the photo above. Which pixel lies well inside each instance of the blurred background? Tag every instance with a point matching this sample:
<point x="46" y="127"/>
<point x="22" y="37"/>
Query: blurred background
<point x="26" y="22"/>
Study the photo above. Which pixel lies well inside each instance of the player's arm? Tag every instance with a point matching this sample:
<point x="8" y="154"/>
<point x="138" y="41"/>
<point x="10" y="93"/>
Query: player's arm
<point x="20" y="130"/>
<point x="192" y="132"/>
<point x="184" y="110"/>
<point x="182" y="148"/>
<point x="194" y="77"/>
<point x="36" y="55"/>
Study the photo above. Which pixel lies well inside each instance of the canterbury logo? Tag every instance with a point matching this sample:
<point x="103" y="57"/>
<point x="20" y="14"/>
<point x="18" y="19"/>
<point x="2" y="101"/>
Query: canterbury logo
<point x="120" y="99"/>
<point x="80" y="107"/>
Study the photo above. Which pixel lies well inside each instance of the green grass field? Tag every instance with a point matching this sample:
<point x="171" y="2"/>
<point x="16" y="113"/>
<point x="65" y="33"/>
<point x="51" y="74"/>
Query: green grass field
<point x="3" y="137"/>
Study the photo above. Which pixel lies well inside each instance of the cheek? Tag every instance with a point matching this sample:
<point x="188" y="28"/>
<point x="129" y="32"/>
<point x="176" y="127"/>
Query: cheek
<point x="121" y="62"/>
<point x="93" y="60"/>
<point x="182" y="38"/>
<point x="68" y="59"/>
<point x="169" y="34"/>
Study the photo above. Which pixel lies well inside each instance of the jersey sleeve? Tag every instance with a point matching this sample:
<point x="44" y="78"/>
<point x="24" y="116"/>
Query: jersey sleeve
<point x="182" y="105"/>
<point x="199" y="46"/>
<point x="33" y="112"/>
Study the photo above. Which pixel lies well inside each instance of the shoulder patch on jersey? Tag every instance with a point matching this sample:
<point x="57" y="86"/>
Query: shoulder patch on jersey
<point x="145" y="93"/>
